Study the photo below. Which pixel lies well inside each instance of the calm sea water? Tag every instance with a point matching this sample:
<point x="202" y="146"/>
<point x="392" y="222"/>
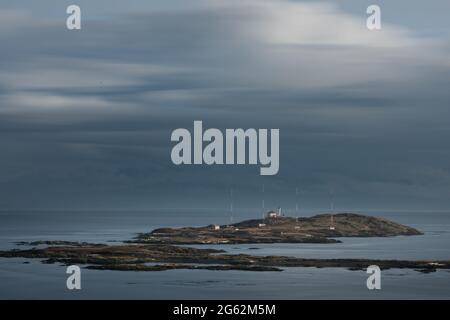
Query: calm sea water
<point x="34" y="280"/>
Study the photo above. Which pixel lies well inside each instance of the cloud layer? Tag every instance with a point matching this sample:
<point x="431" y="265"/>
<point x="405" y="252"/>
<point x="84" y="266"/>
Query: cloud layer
<point x="86" y="116"/>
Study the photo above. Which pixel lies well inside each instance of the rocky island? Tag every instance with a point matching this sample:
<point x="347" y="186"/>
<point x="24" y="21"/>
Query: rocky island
<point x="159" y="250"/>
<point x="276" y="228"/>
<point x="157" y="257"/>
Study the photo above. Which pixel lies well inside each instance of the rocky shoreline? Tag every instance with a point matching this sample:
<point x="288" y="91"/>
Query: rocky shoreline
<point x="151" y="257"/>
<point x="322" y="228"/>
<point x="160" y="249"/>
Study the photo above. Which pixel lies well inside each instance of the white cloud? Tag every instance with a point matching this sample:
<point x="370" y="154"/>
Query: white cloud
<point x="32" y="102"/>
<point x="303" y="45"/>
<point x="41" y="73"/>
<point x="255" y="44"/>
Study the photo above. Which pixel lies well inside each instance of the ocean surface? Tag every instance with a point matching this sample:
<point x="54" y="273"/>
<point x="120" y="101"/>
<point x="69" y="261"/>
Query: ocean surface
<point x="30" y="279"/>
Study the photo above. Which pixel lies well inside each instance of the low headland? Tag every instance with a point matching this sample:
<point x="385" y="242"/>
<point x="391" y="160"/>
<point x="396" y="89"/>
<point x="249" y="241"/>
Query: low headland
<point x="276" y="228"/>
<point x="161" y="248"/>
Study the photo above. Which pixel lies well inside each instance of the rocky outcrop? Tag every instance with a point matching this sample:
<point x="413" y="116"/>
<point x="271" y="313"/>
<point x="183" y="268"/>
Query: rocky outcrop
<point x="322" y="228"/>
<point x="145" y="257"/>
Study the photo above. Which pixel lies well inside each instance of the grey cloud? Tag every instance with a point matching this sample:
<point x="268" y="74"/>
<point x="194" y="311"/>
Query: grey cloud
<point x="86" y="117"/>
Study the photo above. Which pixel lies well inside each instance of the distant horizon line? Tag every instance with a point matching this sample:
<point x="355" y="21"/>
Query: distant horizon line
<point x="225" y="209"/>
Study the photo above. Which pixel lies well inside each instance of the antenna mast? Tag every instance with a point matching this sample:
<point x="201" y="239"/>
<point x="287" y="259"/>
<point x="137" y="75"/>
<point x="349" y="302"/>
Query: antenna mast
<point x="231" y="206"/>
<point x="332" y="201"/>
<point x="332" y="227"/>
<point x="263" y="204"/>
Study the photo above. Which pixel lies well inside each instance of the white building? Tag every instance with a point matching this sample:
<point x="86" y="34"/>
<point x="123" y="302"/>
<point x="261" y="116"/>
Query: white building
<point x="274" y="214"/>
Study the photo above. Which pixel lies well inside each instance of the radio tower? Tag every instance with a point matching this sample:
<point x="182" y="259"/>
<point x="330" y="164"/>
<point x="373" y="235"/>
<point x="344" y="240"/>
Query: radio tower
<point x="263" y="205"/>
<point x="332" y="201"/>
<point x="231" y="206"/>
<point x="332" y="209"/>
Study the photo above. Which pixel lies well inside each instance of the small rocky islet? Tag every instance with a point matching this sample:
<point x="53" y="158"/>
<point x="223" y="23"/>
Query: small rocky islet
<point x="164" y="249"/>
<point x="276" y="228"/>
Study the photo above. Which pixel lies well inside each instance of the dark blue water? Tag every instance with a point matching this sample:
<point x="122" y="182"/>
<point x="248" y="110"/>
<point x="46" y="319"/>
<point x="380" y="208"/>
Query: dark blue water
<point x="37" y="281"/>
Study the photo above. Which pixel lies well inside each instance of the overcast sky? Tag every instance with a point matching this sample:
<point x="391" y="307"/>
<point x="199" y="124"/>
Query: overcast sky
<point x="86" y="116"/>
